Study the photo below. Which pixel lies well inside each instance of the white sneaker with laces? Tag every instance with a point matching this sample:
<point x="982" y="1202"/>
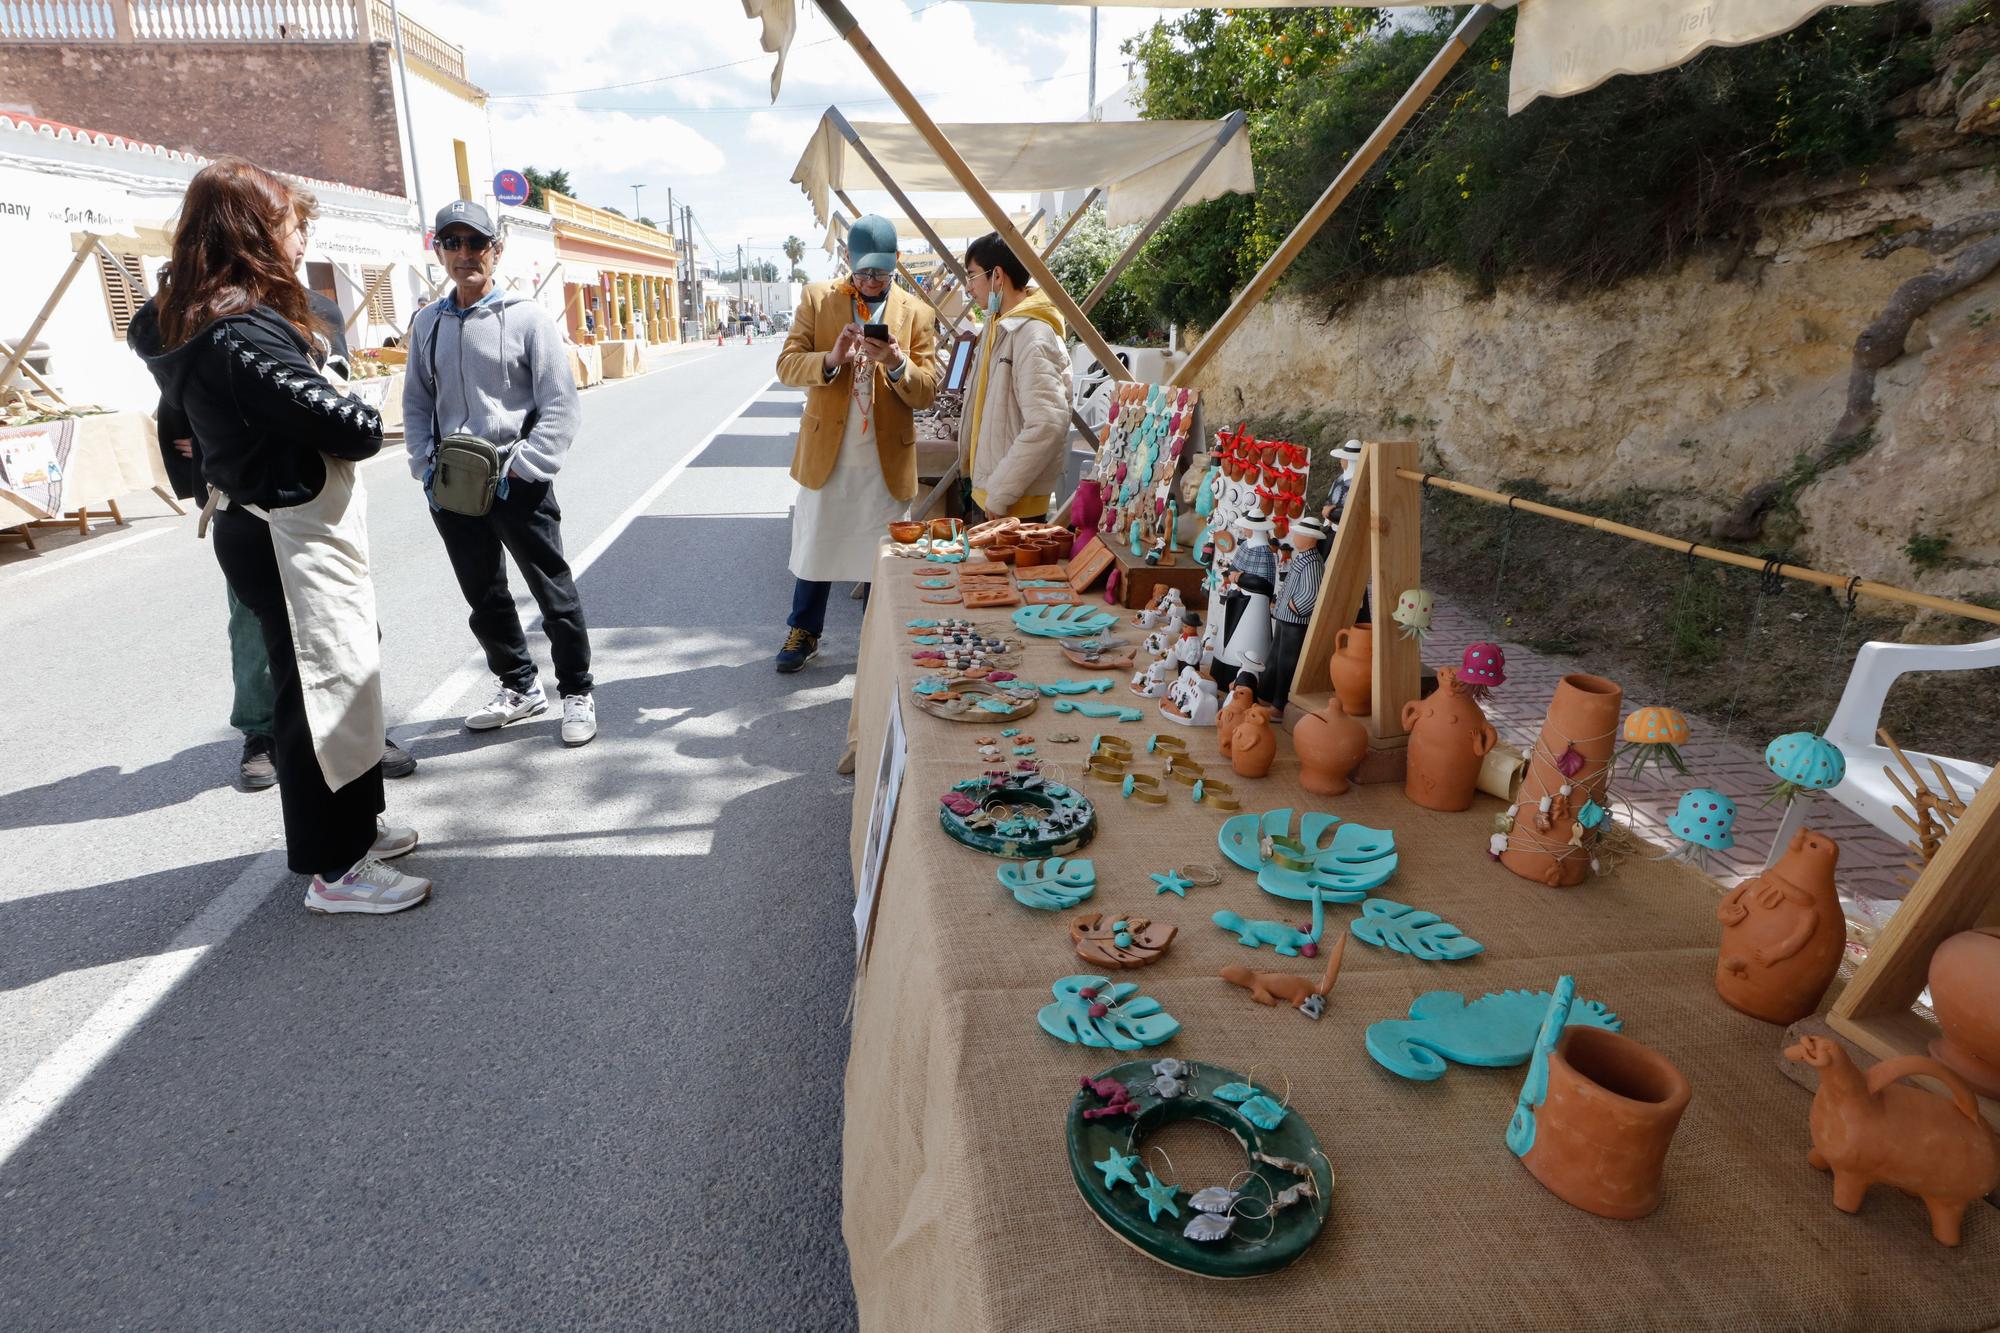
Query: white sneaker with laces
<point x="579" y="719"/>
<point x="508" y="706"/>
<point x="370" y="887"/>
<point x="390" y="842"/>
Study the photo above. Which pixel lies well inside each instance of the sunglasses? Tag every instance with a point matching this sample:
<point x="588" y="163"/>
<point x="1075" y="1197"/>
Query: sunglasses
<point x="479" y="245"/>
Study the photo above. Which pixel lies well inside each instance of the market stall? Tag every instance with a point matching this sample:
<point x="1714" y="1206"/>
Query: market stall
<point x="960" y="1195"/>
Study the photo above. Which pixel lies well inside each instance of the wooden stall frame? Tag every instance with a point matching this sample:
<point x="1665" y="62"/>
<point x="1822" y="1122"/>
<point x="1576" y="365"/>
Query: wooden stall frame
<point x="1957" y="891"/>
<point x="86" y="246"/>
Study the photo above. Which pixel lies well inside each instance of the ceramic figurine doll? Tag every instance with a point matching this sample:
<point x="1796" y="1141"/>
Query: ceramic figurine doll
<point x="1292" y="608"/>
<point x="1247" y="612"/>
<point x="1188" y="651"/>
<point x="1191" y="699"/>
<point x="1152" y="682"/>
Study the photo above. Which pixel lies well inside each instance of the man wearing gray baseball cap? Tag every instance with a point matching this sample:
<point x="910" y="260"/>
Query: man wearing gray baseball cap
<point x="492" y="365"/>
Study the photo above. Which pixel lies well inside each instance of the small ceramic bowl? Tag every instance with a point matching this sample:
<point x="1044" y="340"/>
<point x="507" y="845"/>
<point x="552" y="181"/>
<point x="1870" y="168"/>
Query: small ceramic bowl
<point x="906" y="532"/>
<point x="944" y="529"/>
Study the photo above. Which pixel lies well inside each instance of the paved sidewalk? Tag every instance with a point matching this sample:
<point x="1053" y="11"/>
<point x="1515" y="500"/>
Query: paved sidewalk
<point x="1870" y="861"/>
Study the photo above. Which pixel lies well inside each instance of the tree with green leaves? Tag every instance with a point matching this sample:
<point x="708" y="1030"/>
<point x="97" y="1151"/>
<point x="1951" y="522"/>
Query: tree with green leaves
<point x="1084" y="256"/>
<point x="556" y="179"/>
<point x="795" y="249"/>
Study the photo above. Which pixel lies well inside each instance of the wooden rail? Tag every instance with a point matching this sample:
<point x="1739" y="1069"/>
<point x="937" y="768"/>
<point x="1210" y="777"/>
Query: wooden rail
<point x="1853" y="585"/>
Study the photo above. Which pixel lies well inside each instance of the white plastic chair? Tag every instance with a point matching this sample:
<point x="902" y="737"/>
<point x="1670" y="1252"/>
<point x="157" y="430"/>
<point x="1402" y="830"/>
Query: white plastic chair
<point x="1865" y="789"/>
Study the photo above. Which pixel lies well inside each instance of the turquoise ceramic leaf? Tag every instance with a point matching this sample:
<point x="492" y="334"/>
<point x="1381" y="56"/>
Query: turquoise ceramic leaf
<point x="1492" y="1031"/>
<point x="1350" y="861"/>
<point x="1062" y="622"/>
<point x="1054" y="885"/>
<point x="1131" y="1020"/>
<point x="1405" y="929"/>
<point x="1235" y="1092"/>
<point x="1535" y="1088"/>
<point x="1262" y="1112"/>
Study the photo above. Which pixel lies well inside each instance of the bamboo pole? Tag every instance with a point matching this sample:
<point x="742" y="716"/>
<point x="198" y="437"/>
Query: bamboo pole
<point x="27" y="342"/>
<point x="844" y="23"/>
<point x="1366" y="156"/>
<point x="1856" y="585"/>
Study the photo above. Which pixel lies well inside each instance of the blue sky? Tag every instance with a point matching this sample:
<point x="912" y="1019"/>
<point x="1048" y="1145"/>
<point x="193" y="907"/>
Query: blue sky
<point x="694" y="113"/>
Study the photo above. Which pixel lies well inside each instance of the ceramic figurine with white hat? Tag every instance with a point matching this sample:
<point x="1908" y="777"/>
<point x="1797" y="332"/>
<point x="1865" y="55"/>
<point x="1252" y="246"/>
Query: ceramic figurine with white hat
<point x="1247" y="605"/>
<point x="1292" y="608"/>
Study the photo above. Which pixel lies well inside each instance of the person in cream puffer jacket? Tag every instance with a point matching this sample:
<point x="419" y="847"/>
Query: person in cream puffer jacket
<point x="1016" y="419"/>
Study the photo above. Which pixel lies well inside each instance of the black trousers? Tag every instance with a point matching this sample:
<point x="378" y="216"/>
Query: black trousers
<point x="326" y="831"/>
<point x="1275" y="685"/>
<point x="527" y="525"/>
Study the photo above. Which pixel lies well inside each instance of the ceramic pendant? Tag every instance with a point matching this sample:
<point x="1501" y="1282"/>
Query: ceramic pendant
<point x="1122" y="942"/>
<point x="1095" y="1011"/>
<point x="1405" y="929"/>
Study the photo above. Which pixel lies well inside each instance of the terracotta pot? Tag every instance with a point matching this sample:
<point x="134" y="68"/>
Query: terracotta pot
<point x="1783" y="934"/>
<point x="1965" y="995"/>
<point x="1449" y="736"/>
<point x="1004" y="553"/>
<point x="1330" y="746"/>
<point x="944" y="529"/>
<point x="906" y="532"/>
<point x="1241" y="701"/>
<point x="1602" y="1133"/>
<point x="1353" y="668"/>
<point x="1584" y="716"/>
<point x="1254" y="745"/>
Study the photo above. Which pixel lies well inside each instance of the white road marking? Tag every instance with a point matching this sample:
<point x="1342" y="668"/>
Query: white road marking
<point x="47" y="565"/>
<point x="42" y="1093"/>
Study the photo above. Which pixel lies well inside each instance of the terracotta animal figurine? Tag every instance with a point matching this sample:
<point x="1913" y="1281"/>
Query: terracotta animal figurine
<point x="1242" y="698"/>
<point x="1872" y="1130"/>
<point x="1116" y="1096"/>
<point x="1297" y="991"/>
<point x="1330" y="746"/>
<point x="1449" y="737"/>
<point x="1782" y="934"/>
<point x="1254" y="745"/>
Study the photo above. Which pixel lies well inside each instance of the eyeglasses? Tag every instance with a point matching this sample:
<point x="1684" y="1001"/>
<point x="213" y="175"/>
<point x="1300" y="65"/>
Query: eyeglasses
<point x="479" y="245"/>
<point x="872" y="274"/>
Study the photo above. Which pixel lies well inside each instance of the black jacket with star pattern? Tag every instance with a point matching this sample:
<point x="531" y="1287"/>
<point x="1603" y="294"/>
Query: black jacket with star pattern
<point x="250" y="389"/>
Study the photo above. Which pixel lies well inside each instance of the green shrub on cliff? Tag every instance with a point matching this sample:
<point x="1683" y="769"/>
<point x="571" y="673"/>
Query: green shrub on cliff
<point x="1583" y="190"/>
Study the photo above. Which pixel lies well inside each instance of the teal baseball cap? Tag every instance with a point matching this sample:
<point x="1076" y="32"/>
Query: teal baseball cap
<point x="871" y="243"/>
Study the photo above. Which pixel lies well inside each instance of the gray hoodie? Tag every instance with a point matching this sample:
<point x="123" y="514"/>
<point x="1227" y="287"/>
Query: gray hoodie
<point x="502" y="373"/>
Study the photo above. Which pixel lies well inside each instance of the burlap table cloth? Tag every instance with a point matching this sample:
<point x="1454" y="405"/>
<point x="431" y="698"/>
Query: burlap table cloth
<point x="959" y="1208"/>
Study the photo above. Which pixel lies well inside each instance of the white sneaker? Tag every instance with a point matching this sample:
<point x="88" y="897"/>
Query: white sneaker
<point x="370" y="887"/>
<point x="579" y="719"/>
<point x="508" y="706"/>
<point x="391" y="843"/>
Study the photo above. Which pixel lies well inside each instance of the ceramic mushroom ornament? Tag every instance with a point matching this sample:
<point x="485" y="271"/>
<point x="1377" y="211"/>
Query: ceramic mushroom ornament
<point x="1413" y="613"/>
<point x="1483" y="669"/>
<point x="1705" y="823"/>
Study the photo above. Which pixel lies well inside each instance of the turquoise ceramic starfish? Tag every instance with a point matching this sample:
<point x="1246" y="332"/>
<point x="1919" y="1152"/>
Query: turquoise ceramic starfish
<point x="1159" y="1197"/>
<point x="1118" y="1167"/>
<point x="1172" y="882"/>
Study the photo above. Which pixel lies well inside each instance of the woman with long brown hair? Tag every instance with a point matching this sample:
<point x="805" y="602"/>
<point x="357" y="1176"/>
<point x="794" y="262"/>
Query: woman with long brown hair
<point x="234" y="347"/>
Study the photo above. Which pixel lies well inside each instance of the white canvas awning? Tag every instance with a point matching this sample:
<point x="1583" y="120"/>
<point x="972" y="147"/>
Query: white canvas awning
<point x="948" y="228"/>
<point x="1140" y="162"/>
<point x="1561" y="47"/>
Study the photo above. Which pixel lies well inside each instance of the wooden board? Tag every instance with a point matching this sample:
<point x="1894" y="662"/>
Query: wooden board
<point x="1140" y="584"/>
<point x="1089" y="565"/>
<point x="1348" y="563"/>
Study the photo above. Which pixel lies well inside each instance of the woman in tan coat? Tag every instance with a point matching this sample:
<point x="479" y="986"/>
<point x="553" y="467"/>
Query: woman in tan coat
<point x="1017" y="408"/>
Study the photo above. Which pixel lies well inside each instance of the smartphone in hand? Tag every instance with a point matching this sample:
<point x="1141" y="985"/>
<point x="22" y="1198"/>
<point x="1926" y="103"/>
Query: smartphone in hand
<point x="875" y="332"/>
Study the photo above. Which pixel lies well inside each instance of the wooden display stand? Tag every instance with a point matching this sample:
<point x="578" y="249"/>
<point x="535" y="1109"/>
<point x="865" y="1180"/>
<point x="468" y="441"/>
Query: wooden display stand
<point x="1960" y="889"/>
<point x="1140" y="584"/>
<point x="1379" y="545"/>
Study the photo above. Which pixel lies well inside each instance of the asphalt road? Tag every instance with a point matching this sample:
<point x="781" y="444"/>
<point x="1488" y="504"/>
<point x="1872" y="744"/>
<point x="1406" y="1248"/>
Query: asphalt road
<point x="594" y="1083"/>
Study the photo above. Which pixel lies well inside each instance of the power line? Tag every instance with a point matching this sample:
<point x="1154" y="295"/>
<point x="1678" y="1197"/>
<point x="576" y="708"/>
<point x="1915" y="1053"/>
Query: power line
<point x="683" y="74"/>
<point x="796" y="106"/>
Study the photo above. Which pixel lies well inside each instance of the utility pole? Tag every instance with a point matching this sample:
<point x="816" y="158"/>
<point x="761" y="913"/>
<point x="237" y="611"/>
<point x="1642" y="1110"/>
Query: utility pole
<point x="1090" y="111"/>
<point x="636" y="210"/>
<point x="409" y="127"/>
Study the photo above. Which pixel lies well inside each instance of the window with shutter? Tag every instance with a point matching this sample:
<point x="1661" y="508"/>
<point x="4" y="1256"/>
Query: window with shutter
<point x="124" y="289"/>
<point x="381" y="294"/>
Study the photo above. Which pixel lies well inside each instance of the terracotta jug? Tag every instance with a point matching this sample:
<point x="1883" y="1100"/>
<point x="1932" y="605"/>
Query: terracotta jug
<point x="1255" y="744"/>
<point x="1601" y="1135"/>
<point x="1551" y="847"/>
<point x="1871" y="1129"/>
<point x="1449" y="736"/>
<point x="1965" y="995"/>
<point x="1353" y="668"/>
<point x="1241" y="701"/>
<point x="1330" y="746"/>
<point x="1782" y="934"/>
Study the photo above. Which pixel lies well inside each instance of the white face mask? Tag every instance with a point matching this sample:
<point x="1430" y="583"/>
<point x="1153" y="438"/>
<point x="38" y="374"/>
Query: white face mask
<point x="993" y="302"/>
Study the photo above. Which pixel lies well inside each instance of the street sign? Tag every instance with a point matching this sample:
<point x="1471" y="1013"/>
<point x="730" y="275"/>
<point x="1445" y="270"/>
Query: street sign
<point x="510" y="187"/>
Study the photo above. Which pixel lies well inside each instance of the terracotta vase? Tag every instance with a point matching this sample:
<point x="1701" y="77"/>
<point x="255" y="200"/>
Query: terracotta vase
<point x="1544" y="846"/>
<point x="1330" y="746"/>
<point x="1449" y="737"/>
<point x="1241" y="701"/>
<point x="1965" y="995"/>
<point x="1601" y="1135"/>
<point x="1872" y="1129"/>
<point x="1255" y="744"/>
<point x="1353" y="668"/>
<point x="1783" y="934"/>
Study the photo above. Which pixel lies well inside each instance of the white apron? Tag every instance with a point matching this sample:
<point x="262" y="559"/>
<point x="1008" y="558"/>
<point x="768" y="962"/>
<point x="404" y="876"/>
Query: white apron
<point x="837" y="529"/>
<point x="322" y="552"/>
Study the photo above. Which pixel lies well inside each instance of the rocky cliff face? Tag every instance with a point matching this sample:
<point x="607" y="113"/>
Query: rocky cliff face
<point x="1701" y="382"/>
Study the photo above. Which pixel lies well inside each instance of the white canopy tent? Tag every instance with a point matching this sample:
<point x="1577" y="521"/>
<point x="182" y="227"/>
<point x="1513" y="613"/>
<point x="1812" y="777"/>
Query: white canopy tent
<point x="949" y="227"/>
